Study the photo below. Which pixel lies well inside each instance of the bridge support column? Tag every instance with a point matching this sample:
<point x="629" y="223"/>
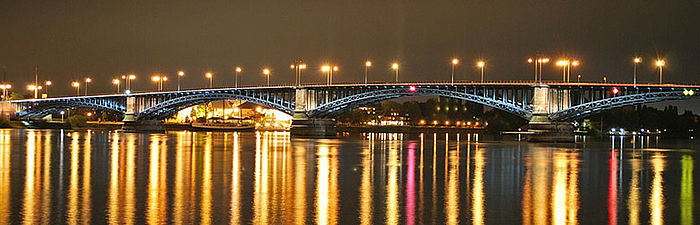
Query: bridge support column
<point x="131" y="124"/>
<point x="302" y="125"/>
<point x="546" y="101"/>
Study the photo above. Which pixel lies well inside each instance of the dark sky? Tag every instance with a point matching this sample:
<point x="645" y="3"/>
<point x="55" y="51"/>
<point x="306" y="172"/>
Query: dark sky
<point x="102" y="39"/>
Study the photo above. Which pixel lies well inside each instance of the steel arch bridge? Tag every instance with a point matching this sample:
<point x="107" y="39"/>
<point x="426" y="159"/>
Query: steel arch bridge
<point x="38" y="108"/>
<point x="556" y="101"/>
<point x="332" y="101"/>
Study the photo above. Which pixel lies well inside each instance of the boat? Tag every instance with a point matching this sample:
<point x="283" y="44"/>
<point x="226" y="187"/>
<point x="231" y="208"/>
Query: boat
<point x="219" y="124"/>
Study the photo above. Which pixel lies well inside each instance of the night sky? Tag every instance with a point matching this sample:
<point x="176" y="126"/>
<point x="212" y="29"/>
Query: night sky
<point x="71" y="40"/>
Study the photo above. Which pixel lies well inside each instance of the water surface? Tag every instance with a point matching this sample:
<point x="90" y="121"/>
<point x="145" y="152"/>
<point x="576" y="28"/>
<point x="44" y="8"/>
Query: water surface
<point x="53" y="176"/>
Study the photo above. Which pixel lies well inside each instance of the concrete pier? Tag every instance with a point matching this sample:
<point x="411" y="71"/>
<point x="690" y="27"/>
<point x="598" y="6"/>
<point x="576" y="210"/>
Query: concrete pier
<point x="545" y="102"/>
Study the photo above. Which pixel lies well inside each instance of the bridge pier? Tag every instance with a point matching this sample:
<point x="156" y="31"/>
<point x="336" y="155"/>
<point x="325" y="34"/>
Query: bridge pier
<point x="131" y="124"/>
<point x="545" y="102"/>
<point x="302" y="125"/>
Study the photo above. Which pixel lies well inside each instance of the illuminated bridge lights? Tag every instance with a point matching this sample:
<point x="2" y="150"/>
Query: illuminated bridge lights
<point x="615" y="90"/>
<point x="688" y="92"/>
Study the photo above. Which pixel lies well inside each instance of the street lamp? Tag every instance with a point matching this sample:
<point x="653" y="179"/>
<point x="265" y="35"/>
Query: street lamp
<point x="5" y="89"/>
<point x="455" y="61"/>
<point x="661" y="63"/>
<point x="116" y="82"/>
<point x="564" y="65"/>
<point x="87" y="81"/>
<point x="574" y="63"/>
<point x="302" y="67"/>
<point x="180" y="74"/>
<point x="237" y="71"/>
<point x="327" y="69"/>
<point x="395" y="67"/>
<point x="159" y="81"/>
<point x="335" y="69"/>
<point x="266" y="72"/>
<point x="481" y="65"/>
<point x="211" y="79"/>
<point x="298" y="67"/>
<point x="538" y="66"/>
<point x="368" y="64"/>
<point x="636" y="61"/>
<point x="76" y="85"/>
<point x="48" y="83"/>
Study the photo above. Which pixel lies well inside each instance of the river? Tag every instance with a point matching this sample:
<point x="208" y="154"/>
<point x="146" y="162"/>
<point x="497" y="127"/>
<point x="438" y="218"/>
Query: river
<point x="98" y="177"/>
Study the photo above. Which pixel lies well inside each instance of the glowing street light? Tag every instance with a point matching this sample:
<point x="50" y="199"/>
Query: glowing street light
<point x="87" y="81"/>
<point x="76" y="85"/>
<point x="298" y="68"/>
<point x="574" y="63"/>
<point x="395" y="67"/>
<point x="48" y="83"/>
<point x="368" y="64"/>
<point x="159" y="81"/>
<point x="266" y="72"/>
<point x="455" y="61"/>
<point x="116" y="82"/>
<point x="327" y="69"/>
<point x="128" y="79"/>
<point x="180" y="74"/>
<point x="481" y="65"/>
<point x="538" y="67"/>
<point x="636" y="61"/>
<point x="237" y="71"/>
<point x="661" y="63"/>
<point x="5" y="89"/>
<point x="564" y="65"/>
<point x="210" y="76"/>
<point x="35" y="89"/>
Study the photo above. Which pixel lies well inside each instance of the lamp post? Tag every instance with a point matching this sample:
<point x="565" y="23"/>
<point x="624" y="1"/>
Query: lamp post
<point x="180" y="74"/>
<point x="368" y="64"/>
<point x="48" y="83"/>
<point x="5" y="90"/>
<point x="116" y="82"/>
<point x="564" y="65"/>
<point x="76" y="85"/>
<point x="481" y="65"/>
<point x="661" y="63"/>
<point x="298" y="67"/>
<point x="266" y="72"/>
<point x="455" y="61"/>
<point x="35" y="89"/>
<point x="395" y="67"/>
<point x="578" y="79"/>
<point x="335" y="69"/>
<point x="636" y="61"/>
<point x="128" y="79"/>
<point x="159" y="81"/>
<point x="302" y="67"/>
<point x="87" y="81"/>
<point x="210" y="76"/>
<point x="574" y="63"/>
<point x="326" y="69"/>
<point x="62" y="113"/>
<point x="237" y="71"/>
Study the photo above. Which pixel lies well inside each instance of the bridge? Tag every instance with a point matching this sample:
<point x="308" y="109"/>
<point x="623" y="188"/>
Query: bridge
<point x="314" y="105"/>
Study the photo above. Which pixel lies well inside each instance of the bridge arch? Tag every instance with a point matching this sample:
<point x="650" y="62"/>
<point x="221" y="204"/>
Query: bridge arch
<point x="337" y="106"/>
<point x="170" y="107"/>
<point x="37" y="109"/>
<point x="594" y="107"/>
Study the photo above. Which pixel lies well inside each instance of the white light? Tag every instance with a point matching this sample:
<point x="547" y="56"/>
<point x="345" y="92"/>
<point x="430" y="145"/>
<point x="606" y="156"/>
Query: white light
<point x="127" y="92"/>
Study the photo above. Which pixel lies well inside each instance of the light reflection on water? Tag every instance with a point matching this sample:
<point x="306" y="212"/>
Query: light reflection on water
<point x="373" y="178"/>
